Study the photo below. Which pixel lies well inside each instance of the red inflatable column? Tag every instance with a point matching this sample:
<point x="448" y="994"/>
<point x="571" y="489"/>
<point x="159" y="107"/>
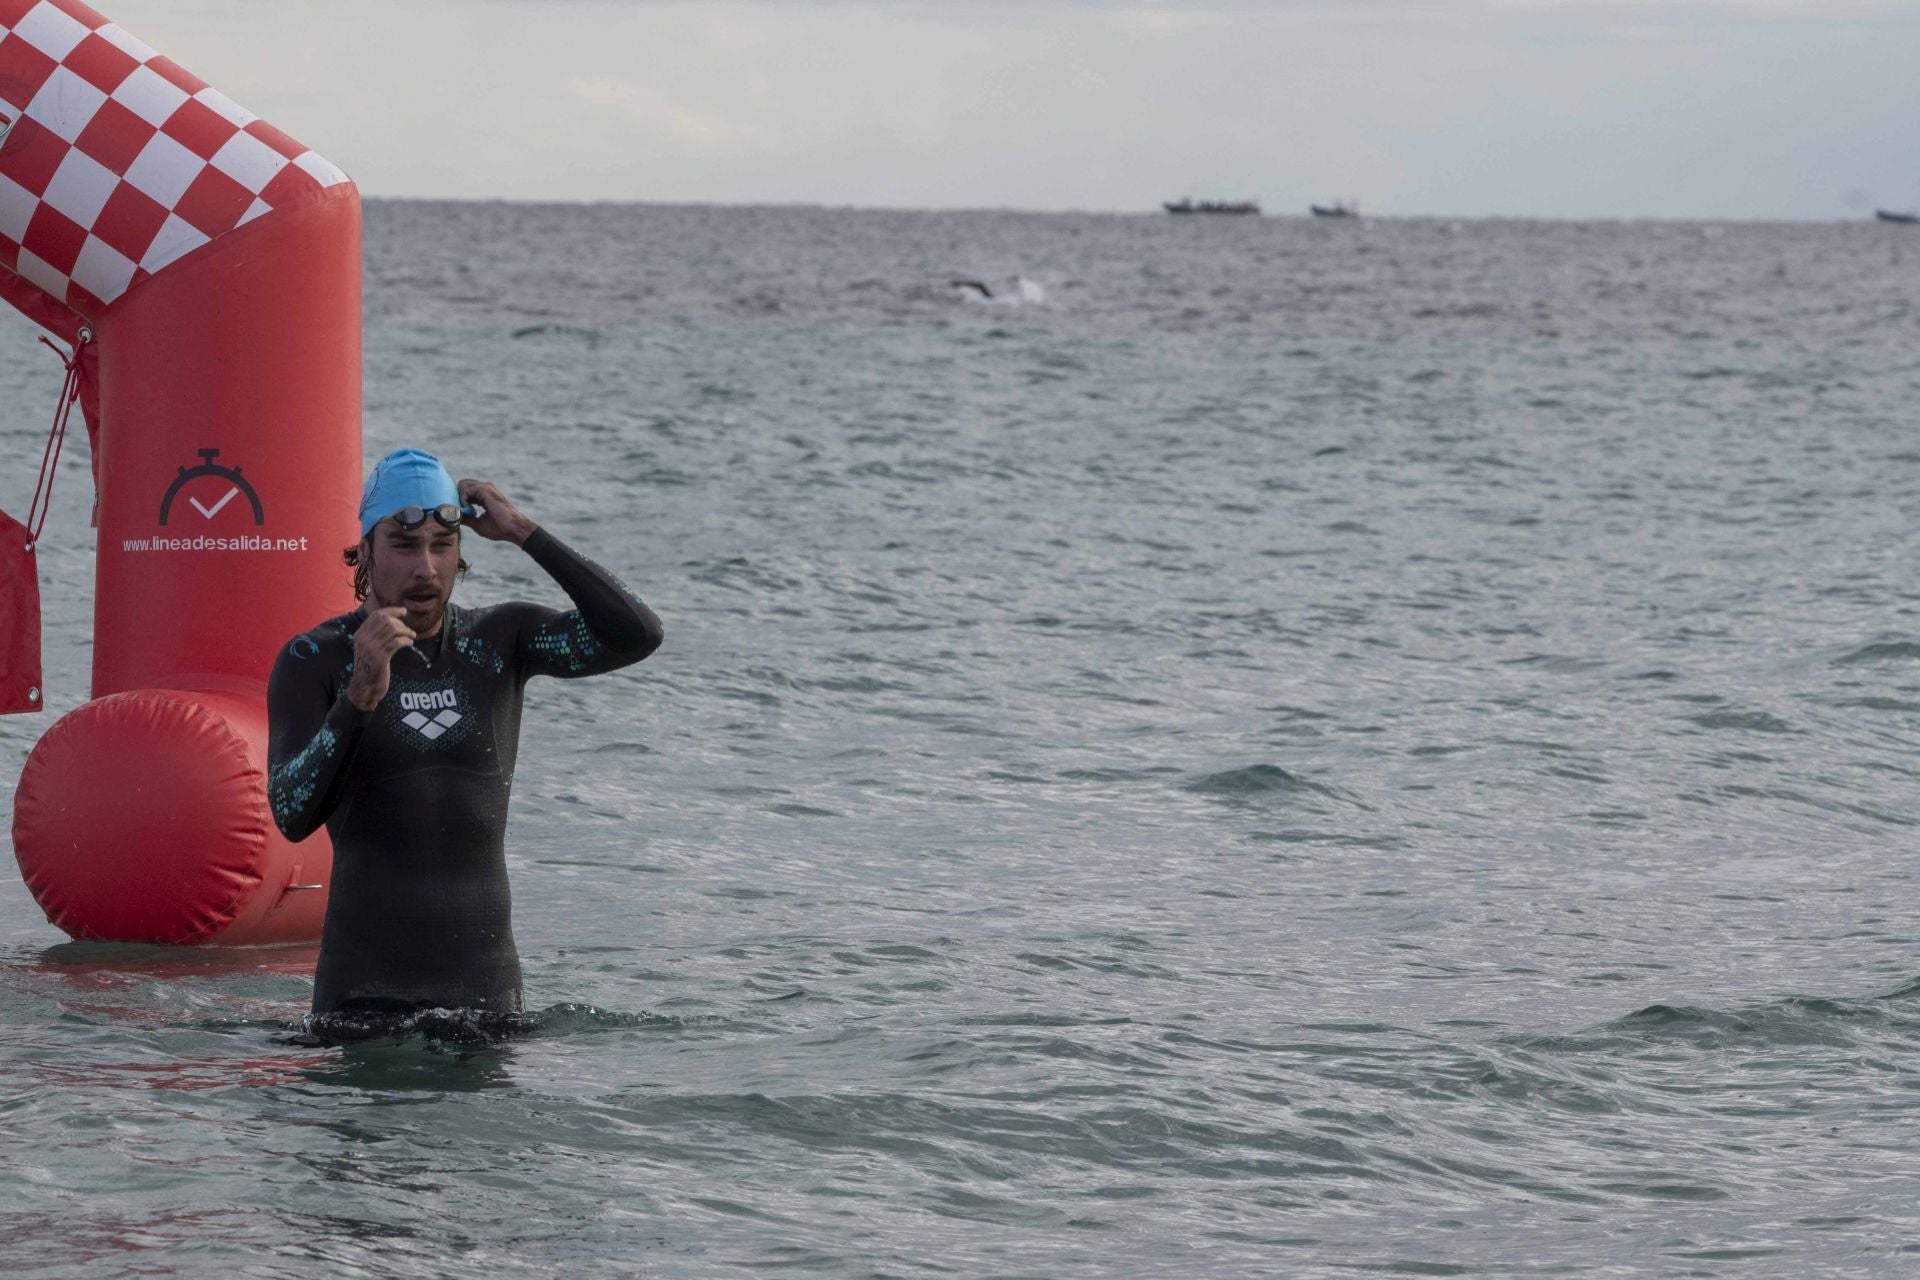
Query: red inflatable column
<point x="229" y="452"/>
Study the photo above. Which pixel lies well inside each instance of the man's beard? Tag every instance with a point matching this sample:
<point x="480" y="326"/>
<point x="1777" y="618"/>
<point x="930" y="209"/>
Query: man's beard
<point x="419" y="625"/>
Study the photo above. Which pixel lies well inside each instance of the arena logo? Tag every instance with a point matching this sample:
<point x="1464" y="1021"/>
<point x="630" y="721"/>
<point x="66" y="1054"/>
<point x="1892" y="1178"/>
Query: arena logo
<point x="434" y="701"/>
<point x="6" y="125"/>
<point x="213" y="487"/>
<point x="439" y="701"/>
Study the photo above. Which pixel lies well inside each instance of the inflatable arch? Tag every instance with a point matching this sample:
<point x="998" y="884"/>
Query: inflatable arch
<point x="205" y="267"/>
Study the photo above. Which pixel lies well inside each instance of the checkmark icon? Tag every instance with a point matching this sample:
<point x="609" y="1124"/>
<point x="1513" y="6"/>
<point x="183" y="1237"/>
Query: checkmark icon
<point x="214" y="510"/>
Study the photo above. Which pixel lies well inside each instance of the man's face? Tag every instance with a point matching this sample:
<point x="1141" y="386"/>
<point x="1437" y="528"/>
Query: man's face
<point x="413" y="568"/>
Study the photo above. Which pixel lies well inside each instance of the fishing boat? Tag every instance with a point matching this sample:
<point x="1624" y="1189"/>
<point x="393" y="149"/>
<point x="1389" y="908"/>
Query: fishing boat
<point x="1893" y="215"/>
<point x="1189" y="205"/>
<point x="1338" y="209"/>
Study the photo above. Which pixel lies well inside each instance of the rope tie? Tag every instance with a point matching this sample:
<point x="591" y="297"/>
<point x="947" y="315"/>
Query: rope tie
<point x="56" y="437"/>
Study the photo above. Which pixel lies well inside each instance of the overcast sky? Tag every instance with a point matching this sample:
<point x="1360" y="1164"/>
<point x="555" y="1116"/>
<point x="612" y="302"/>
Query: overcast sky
<point x="1556" y="108"/>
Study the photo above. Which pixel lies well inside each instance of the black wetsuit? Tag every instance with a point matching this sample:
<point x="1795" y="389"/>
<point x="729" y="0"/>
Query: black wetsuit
<point x="414" y="792"/>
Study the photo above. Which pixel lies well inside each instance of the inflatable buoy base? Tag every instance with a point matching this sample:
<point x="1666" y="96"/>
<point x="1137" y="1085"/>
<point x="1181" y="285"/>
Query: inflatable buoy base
<point x="142" y="817"/>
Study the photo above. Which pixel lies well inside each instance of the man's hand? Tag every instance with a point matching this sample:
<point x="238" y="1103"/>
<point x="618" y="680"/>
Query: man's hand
<point x="382" y="635"/>
<point x="499" y="520"/>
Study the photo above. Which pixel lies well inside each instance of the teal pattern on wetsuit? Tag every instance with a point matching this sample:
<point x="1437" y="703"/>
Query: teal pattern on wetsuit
<point x="414" y="793"/>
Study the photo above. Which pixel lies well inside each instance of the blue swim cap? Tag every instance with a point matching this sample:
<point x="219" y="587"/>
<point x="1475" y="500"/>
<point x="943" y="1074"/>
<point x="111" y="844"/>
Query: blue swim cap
<point x="404" y="478"/>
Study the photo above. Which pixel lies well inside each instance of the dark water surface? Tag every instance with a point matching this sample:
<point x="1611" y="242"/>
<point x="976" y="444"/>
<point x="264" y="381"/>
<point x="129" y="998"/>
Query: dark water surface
<point x="1306" y="750"/>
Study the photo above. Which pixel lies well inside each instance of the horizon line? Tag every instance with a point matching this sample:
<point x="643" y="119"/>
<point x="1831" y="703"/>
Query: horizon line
<point x="1305" y="215"/>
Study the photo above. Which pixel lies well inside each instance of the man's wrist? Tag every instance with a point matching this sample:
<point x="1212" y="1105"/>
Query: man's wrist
<point x="523" y="531"/>
<point x="362" y="695"/>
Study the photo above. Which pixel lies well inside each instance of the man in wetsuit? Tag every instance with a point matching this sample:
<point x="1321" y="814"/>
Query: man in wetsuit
<point x="397" y="725"/>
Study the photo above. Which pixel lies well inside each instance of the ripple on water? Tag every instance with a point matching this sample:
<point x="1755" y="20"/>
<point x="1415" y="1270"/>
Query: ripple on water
<point x="1261" y="783"/>
<point x="1881" y="651"/>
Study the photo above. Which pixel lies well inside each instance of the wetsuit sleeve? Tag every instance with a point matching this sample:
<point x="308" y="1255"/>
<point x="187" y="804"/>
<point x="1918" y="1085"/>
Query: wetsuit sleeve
<point x="311" y="736"/>
<point x="608" y="628"/>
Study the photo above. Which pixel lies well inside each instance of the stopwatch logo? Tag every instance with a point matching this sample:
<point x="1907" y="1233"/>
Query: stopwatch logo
<point x="236" y="487"/>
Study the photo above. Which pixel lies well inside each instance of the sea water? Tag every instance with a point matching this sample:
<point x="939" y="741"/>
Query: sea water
<point x="1264" y="747"/>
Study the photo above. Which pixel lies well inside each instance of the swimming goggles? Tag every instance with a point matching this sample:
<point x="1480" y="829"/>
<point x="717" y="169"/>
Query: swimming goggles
<point x="447" y="513"/>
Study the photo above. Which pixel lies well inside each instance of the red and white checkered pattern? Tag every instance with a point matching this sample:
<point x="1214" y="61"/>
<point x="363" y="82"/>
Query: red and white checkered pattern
<point x="115" y="163"/>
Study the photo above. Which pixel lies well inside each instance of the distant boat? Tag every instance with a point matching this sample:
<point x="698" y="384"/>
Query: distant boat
<point x="1190" y="205"/>
<point x="1338" y="209"/>
<point x="1890" y="215"/>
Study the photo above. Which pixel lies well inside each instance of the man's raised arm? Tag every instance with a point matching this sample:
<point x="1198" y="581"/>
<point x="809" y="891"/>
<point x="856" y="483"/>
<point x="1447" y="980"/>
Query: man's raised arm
<point x="608" y="627"/>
